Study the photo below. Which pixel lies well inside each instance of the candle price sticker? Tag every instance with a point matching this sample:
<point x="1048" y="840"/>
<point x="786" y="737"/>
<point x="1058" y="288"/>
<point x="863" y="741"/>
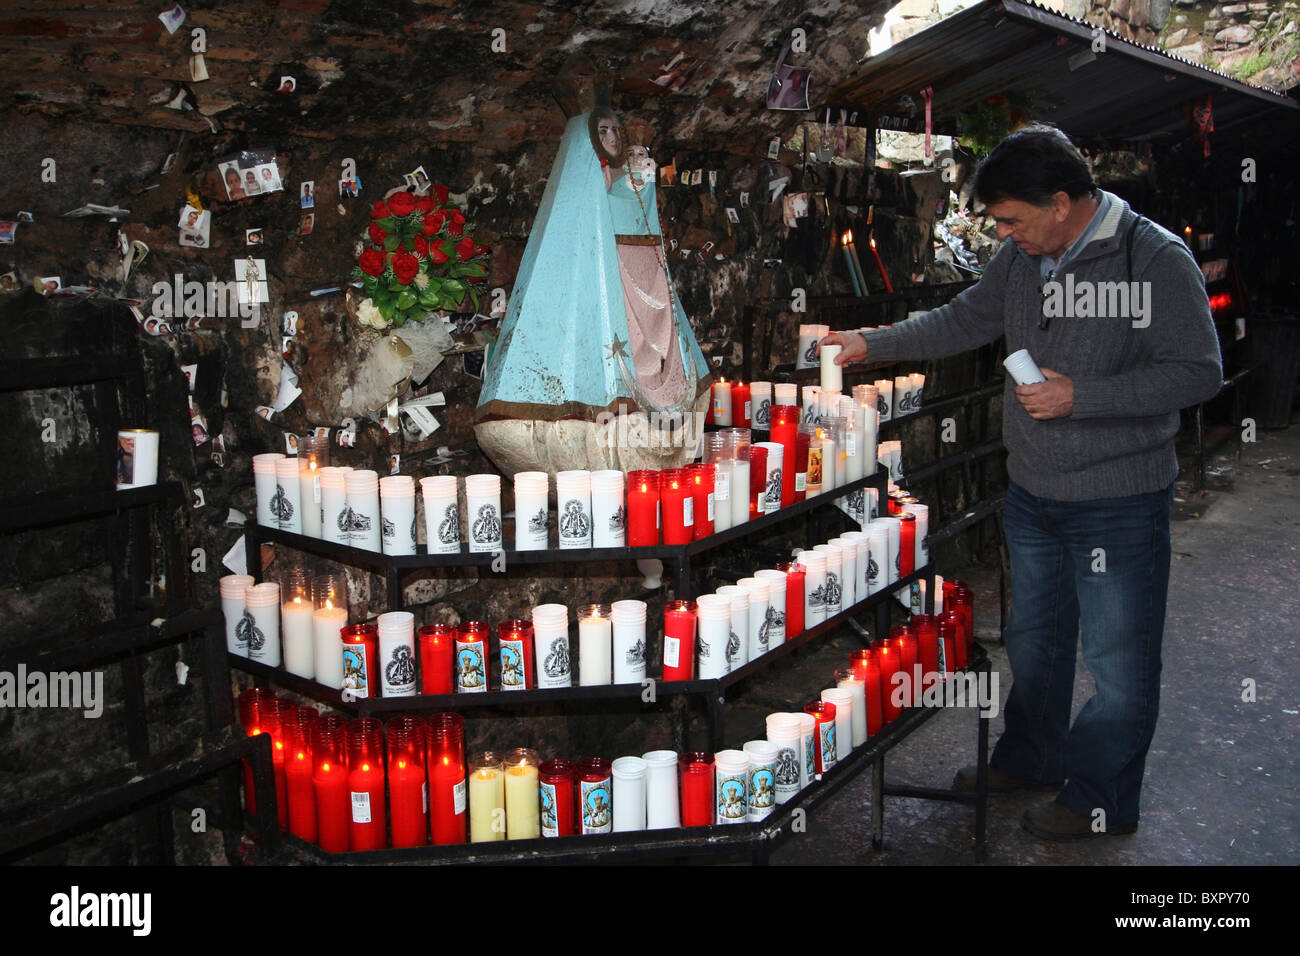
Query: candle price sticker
<point x="672" y="651"/>
<point x="360" y="807"/>
<point x="688" y="512"/>
<point x="459" y="797"/>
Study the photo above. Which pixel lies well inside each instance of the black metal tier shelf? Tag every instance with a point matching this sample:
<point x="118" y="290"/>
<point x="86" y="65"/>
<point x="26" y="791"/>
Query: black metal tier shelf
<point x="394" y="566"/>
<point x="753" y="842"/>
<point x="711" y="690"/>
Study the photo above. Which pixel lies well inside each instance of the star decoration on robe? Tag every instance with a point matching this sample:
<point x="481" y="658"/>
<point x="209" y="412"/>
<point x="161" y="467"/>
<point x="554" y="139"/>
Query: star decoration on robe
<point x="616" y="349"/>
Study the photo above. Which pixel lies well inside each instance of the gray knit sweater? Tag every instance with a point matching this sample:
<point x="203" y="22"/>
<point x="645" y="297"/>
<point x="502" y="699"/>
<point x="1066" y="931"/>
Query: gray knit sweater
<point x="1129" y="382"/>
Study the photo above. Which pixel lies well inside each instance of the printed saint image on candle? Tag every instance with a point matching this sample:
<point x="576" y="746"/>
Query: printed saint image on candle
<point x="469" y="663"/>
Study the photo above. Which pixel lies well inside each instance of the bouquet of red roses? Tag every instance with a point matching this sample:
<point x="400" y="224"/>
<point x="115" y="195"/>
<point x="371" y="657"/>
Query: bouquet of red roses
<point x="417" y="258"/>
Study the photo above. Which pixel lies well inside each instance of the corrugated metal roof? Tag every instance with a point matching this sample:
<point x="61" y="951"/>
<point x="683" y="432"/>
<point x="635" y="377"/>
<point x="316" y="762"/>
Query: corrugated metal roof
<point x="1128" y="93"/>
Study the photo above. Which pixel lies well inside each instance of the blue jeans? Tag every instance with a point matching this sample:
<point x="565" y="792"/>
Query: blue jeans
<point x="1063" y="586"/>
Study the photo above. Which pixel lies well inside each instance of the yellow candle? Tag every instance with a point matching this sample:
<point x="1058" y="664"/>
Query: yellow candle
<point x="487" y="801"/>
<point x="523" y="817"/>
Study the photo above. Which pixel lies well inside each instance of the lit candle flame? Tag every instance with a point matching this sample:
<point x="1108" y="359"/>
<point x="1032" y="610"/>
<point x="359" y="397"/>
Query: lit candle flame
<point x="873" y="242"/>
<point x="847" y="238"/>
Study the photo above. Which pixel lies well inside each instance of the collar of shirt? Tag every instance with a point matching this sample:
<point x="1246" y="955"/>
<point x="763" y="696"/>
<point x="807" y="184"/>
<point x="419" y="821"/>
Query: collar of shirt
<point x="1047" y="266"/>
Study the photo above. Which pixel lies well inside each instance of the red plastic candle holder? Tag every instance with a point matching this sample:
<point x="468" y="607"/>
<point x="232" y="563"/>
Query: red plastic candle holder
<point x="330" y="780"/>
<point x="740" y="404"/>
<point x="518" y="667"/>
<point x="473" y="672"/>
<point x="794" y="597"/>
<point x="557" y="780"/>
<point x="678" y="506"/>
<point x="701" y="478"/>
<point x="595" y="795"/>
<point x="437" y="659"/>
<point x="360" y="659"/>
<point x="249" y="704"/>
<point x="757" y="480"/>
<point x="679" y="640"/>
<point x="448" y="793"/>
<point x="408" y="793"/>
<point x="298" y="773"/>
<point x="785" y="432"/>
<point x="824" y="744"/>
<point x="364" y="739"/>
<point x="642" y="508"/>
<point x="906" y="544"/>
<point x="695" y="778"/>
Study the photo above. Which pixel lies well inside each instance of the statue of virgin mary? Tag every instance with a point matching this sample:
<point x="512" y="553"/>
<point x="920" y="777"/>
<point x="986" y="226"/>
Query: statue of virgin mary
<point x="595" y="349"/>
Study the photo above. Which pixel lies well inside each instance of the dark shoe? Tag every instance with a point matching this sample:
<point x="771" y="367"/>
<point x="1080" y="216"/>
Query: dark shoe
<point x="1055" y="821"/>
<point x="999" y="781"/>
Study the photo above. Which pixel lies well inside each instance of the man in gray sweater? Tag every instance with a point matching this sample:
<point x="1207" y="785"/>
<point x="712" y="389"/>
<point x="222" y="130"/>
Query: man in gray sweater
<point x="1113" y="308"/>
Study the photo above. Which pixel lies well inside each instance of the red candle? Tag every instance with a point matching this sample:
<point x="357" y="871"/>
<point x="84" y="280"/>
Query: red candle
<point x="904" y="642"/>
<point x="330" y="779"/>
<point x="906" y="544"/>
<point x="473" y="675"/>
<point x="864" y="667"/>
<point x="950" y="630"/>
<point x="889" y="286"/>
<point x="642" y="508"/>
<point x="801" y="444"/>
<point x="824" y="749"/>
<point x="360" y="653"/>
<point x="679" y="640"/>
<point x="740" y="402"/>
<point x="794" y="598"/>
<point x="595" y="795"/>
<point x="408" y="791"/>
<point x="785" y="432"/>
<point x="365" y="746"/>
<point x="701" y="478"/>
<point x="437" y="659"/>
<point x="678" y="507"/>
<point x="250" y="703"/>
<point x="757" y="480"/>
<point x="963" y="599"/>
<point x="695" y="775"/>
<point x="275" y="714"/>
<point x="518" y="668"/>
<point x="298" y="774"/>
<point x="888" y="662"/>
<point x="557" y="781"/>
<point x="926" y="629"/>
<point x="448" y="794"/>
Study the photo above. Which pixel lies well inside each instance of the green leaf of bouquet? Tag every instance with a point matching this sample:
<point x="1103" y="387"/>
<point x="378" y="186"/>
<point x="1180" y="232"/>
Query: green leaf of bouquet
<point x="390" y="243"/>
<point x="406" y="300"/>
<point x="386" y="223"/>
<point x="387" y="311"/>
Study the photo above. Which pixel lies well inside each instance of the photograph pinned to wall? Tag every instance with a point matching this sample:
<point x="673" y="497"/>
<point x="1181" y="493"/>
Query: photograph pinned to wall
<point x="252" y="172"/>
<point x="285" y="342"/>
<point x="290" y="443"/>
<point x="195" y="226"/>
<point x="250" y="274"/>
<point x="350" y="188"/>
<point x="9" y="282"/>
<point x="156" y="326"/>
<point x="266" y="411"/>
<point x="418" y="181"/>
<point x="198" y="68"/>
<point x="794" y="206"/>
<point x="668" y="174"/>
<point x="8" y="228"/>
<point x="308" y="194"/>
<point x="774" y="148"/>
<point x="321" y="433"/>
<point x="173" y="18"/>
<point x="191" y="371"/>
<point x="268" y="178"/>
<point x="744" y="200"/>
<point x="733" y="217"/>
<point x="675" y="72"/>
<point x="290" y="323"/>
<point x="199" y="500"/>
<point x="199" y="426"/>
<point x="219" y="458"/>
<point x="287" y="85"/>
<point x="24" y="216"/>
<point x="306" y="224"/>
<point x="48" y="285"/>
<point x="394" y="464"/>
<point x="253" y="237"/>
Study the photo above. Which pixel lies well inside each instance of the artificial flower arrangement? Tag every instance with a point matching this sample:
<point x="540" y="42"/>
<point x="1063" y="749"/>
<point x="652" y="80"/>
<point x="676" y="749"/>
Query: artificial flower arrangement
<point x="416" y="258"/>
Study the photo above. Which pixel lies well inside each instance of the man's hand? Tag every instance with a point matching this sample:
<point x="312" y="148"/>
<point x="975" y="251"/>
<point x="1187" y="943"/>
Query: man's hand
<point x="1051" y="399"/>
<point x="853" y="346"/>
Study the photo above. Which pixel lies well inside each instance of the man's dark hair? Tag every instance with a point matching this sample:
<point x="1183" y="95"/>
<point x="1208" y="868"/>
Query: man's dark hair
<point x="1032" y="165"/>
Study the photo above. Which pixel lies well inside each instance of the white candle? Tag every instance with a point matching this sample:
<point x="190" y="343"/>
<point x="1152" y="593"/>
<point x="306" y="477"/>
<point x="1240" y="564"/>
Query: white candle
<point x="761" y="398"/>
<point x="523" y="809"/>
<point x="296" y="630"/>
<point x="335" y="518"/>
<point x="287" y="503"/>
<point x="364" y="529"/>
<point x="263" y="604"/>
<point x="487" y="799"/>
<point x="629" y="781"/>
<point x="595" y="646"/>
<point x="397" y="507"/>
<point x="885" y="398"/>
<point x="483" y="503"/>
<point x="327" y="622"/>
<point x="831" y="378"/>
<point x="397" y="654"/>
<point x="441" y="514"/>
<point x="628" y="619"/>
<point x="722" y="505"/>
<point x="722" y="403"/>
<point x="264" y="486"/>
<point x="842" y="698"/>
<point x="608" y="514"/>
<point x="309" y="490"/>
<point x="662" y="809"/>
<point x="531" y="510"/>
<point x="232" y="588"/>
<point x="739" y="491"/>
<point x="573" y="508"/>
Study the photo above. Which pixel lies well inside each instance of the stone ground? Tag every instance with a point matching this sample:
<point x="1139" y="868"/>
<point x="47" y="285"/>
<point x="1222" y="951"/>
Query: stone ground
<point x="1221" y="781"/>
